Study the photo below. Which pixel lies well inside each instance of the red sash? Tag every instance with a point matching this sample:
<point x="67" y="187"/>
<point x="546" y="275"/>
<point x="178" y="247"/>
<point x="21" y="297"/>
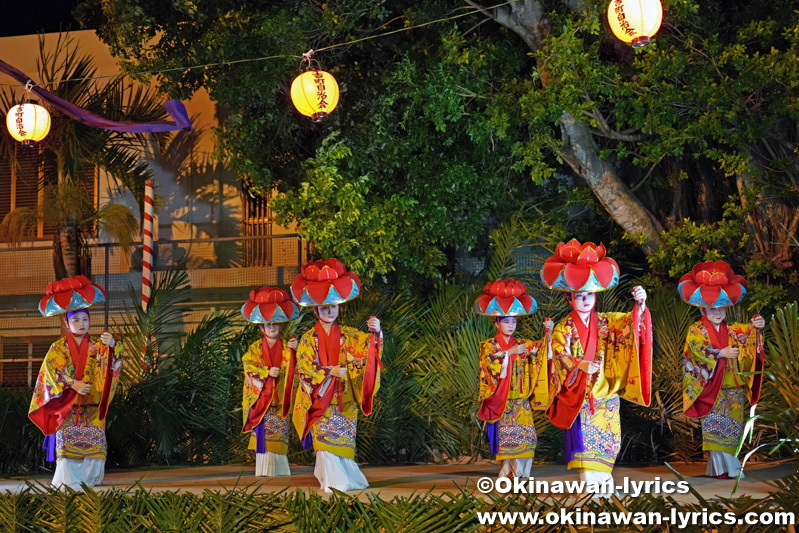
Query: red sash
<point x="271" y="356"/>
<point x="108" y="353"/>
<point x="370" y="374"/>
<point x="51" y="415"/>
<point x="567" y="404"/>
<point x="493" y="407"/>
<point x="707" y="398"/>
<point x="329" y="355"/>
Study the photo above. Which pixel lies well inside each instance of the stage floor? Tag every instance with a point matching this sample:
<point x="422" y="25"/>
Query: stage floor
<point x="390" y="481"/>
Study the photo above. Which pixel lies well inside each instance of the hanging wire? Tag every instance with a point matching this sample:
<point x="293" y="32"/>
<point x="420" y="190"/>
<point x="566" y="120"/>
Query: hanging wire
<point x="266" y="58"/>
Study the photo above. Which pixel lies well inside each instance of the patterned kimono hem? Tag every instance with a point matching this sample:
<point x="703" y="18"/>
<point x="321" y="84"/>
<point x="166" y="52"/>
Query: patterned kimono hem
<point x="341" y="451"/>
<point x="590" y="464"/>
<point x="522" y="455"/>
<point x="712" y="446"/>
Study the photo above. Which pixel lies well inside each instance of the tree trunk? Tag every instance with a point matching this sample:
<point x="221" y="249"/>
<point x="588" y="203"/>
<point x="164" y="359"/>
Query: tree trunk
<point x="70" y="253"/>
<point x="771" y="225"/>
<point x="526" y="19"/>
<point x="582" y="154"/>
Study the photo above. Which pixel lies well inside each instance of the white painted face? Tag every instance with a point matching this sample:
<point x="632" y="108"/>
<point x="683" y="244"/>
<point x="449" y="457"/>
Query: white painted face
<point x="506" y="325"/>
<point x="270" y="331"/>
<point x="583" y="302"/>
<point x="327" y="313"/>
<point x="715" y="316"/>
<point x="79" y="323"/>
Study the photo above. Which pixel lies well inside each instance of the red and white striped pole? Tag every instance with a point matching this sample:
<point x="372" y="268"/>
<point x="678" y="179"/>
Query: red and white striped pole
<point x="147" y="246"/>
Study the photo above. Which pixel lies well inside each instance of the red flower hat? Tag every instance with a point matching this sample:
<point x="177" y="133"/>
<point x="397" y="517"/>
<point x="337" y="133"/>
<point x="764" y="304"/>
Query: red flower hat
<point x="505" y="298"/>
<point x="712" y="284"/>
<point x="70" y="294"/>
<point x="325" y="283"/>
<point x="269" y="305"/>
<point x="580" y="268"/>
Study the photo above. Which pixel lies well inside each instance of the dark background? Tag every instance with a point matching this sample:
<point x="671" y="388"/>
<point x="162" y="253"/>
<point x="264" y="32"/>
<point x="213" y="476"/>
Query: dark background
<point x="24" y="18"/>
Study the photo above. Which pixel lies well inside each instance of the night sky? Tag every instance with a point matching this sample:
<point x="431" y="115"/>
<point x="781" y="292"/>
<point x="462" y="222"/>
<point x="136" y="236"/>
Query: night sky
<point x="23" y="18"/>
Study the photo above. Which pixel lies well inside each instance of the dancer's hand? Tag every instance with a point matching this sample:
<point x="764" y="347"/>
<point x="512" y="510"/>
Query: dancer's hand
<point x="338" y="371"/>
<point x="639" y="295"/>
<point x="293" y="343"/>
<point x="81" y="387"/>
<point x="549" y="325"/>
<point x="759" y="322"/>
<point x="729" y="352"/>
<point x="373" y="324"/>
<point x="274" y="371"/>
<point x="589" y="367"/>
<point x="108" y="339"/>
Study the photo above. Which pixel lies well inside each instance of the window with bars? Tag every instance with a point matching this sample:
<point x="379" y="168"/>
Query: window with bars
<point x="257" y="222"/>
<point x="20" y="360"/>
<point x="22" y="184"/>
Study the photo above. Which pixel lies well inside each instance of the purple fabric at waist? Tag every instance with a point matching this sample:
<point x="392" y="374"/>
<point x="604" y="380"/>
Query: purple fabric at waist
<point x="49" y="447"/>
<point x="492" y="436"/>
<point x="260" y="437"/>
<point x="573" y="440"/>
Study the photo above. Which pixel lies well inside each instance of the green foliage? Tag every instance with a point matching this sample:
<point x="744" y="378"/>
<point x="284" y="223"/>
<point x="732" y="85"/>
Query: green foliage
<point x="248" y="510"/>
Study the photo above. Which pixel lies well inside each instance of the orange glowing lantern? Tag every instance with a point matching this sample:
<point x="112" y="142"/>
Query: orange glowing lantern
<point x="315" y="93"/>
<point x="635" y="21"/>
<point x="28" y="122"/>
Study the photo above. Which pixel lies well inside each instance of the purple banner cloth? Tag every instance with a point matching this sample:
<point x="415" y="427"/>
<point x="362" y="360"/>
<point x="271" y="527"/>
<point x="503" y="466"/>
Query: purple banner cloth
<point x="49" y="447"/>
<point x="492" y="436"/>
<point x="175" y="109"/>
<point x="260" y="437"/>
<point x="307" y="442"/>
<point x="573" y="440"/>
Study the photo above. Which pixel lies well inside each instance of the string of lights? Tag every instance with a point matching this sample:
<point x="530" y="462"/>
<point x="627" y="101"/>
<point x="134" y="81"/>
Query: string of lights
<point x="471" y="11"/>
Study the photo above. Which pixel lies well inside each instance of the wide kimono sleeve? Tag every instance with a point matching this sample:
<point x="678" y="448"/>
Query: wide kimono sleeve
<point x="50" y="392"/>
<point x="490" y="368"/>
<point x="255" y="374"/>
<point x="699" y="364"/>
<point x="285" y="384"/>
<point x="363" y="365"/>
<point x="544" y="379"/>
<point x="625" y="350"/>
<point x="751" y="358"/>
<point x="311" y="374"/>
<point x="105" y="364"/>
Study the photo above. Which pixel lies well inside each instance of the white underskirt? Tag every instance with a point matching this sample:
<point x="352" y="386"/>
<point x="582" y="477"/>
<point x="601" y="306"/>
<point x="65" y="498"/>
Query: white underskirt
<point x="72" y="473"/>
<point x="271" y="464"/>
<point x="340" y="473"/>
<point x="719" y="463"/>
<point x="603" y="479"/>
<point x="517" y="467"/>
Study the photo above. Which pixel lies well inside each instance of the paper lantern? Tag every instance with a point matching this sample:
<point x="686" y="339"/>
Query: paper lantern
<point x="28" y="122"/>
<point x="315" y="94"/>
<point x="635" y="21"/>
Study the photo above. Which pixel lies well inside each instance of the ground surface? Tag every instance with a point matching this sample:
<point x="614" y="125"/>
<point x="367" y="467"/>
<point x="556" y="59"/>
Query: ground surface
<point x="391" y="481"/>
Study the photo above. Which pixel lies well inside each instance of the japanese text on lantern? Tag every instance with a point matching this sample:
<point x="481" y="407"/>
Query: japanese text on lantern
<point x="20" y="122"/>
<point x="320" y="86"/>
<point x="623" y="18"/>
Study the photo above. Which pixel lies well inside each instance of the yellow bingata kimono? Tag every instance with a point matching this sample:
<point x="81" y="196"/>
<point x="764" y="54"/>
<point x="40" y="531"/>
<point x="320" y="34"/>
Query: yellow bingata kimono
<point x="530" y="386"/>
<point x="77" y="421"/>
<point x="719" y="399"/>
<point x="335" y="430"/>
<point x="624" y="355"/>
<point x="275" y="418"/>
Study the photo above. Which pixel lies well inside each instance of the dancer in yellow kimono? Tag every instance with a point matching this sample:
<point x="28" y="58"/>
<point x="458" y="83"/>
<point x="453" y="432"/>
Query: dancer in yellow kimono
<point x="516" y="376"/>
<point x="715" y="358"/>
<point x="339" y="369"/>
<point x="75" y="386"/>
<point x="602" y="357"/>
<point x="269" y="370"/>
